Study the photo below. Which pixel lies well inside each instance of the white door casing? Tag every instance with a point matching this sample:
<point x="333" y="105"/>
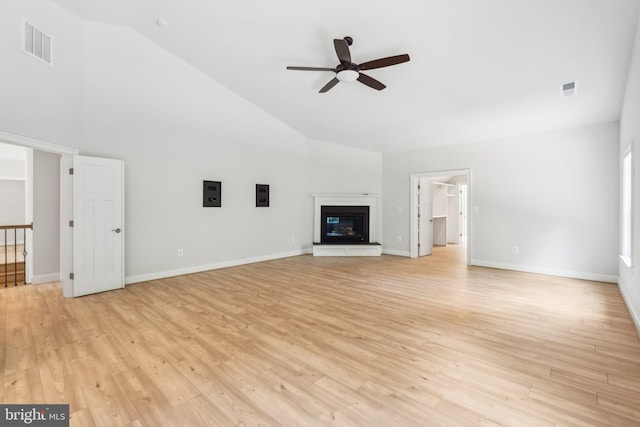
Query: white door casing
<point x="425" y="218"/>
<point x="98" y="225"/>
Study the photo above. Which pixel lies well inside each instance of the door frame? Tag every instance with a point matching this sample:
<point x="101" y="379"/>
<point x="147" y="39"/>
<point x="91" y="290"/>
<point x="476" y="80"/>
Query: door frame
<point x="66" y="199"/>
<point x="415" y="180"/>
<point x="424" y="216"/>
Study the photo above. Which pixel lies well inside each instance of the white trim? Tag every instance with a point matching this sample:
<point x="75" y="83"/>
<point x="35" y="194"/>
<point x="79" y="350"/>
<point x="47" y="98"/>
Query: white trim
<point x="28" y="210"/>
<point x="45" y="278"/>
<point x="369" y="200"/>
<point x="218" y="265"/>
<point x="627" y="261"/>
<point x="36" y="144"/>
<point x="608" y="278"/>
<point x="12" y="178"/>
<point x="396" y="253"/>
<point x="635" y="316"/>
<point x="66" y="232"/>
<point x="347" y="250"/>
<point x="627" y="258"/>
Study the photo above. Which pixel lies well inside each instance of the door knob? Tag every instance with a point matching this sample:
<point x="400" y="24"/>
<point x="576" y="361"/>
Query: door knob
<point x="117" y="230"/>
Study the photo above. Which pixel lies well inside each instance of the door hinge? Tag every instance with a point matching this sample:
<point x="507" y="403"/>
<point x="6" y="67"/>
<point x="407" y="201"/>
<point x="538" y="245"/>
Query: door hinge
<point x="71" y="276"/>
<point x="71" y="223"/>
<point x="71" y="171"/>
<point x="418" y="244"/>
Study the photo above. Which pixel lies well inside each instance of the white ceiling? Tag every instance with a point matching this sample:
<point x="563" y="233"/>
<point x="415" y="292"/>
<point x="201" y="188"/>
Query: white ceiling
<point x="479" y="69"/>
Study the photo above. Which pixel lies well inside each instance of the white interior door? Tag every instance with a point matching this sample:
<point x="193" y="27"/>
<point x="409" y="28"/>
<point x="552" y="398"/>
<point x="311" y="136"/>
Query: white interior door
<point x="425" y="218"/>
<point x="98" y="225"/>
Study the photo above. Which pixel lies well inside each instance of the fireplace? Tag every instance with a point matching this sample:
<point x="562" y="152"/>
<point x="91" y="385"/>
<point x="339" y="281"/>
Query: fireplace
<point x="344" y="224"/>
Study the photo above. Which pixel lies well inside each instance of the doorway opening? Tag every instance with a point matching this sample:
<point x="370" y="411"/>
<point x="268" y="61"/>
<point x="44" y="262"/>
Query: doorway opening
<point x="54" y="252"/>
<point x="16" y="215"/>
<point x="439" y="213"/>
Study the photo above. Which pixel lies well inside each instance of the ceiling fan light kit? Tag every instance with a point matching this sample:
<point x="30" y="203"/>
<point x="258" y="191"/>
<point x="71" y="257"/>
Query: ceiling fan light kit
<point x="349" y="72"/>
<point x="347" y="76"/>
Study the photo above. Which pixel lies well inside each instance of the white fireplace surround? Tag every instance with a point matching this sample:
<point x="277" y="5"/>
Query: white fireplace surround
<point x="346" y="200"/>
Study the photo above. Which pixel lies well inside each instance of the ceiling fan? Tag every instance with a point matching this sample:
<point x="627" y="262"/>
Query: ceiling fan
<point x="348" y="71"/>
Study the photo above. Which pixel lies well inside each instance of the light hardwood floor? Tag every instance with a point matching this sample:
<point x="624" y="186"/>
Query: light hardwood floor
<point x="328" y="341"/>
<point x="12" y="253"/>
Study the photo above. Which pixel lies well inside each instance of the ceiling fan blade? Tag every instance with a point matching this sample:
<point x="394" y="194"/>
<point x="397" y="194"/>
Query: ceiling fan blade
<point x="342" y="50"/>
<point x="370" y="81"/>
<point x="329" y="85"/>
<point x="311" y="69"/>
<point x="384" y="62"/>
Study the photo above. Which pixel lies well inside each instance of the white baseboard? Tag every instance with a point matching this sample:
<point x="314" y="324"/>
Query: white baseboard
<point x="548" y="271"/>
<point x="634" y="314"/>
<point x="397" y="253"/>
<point x="45" y="278"/>
<point x="215" y="266"/>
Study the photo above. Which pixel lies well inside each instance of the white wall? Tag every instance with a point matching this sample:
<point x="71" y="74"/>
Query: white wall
<point x="11" y="168"/>
<point x="554" y="195"/>
<point x="12" y="190"/>
<point x="46" y="217"/>
<point x="12" y="205"/>
<point x="39" y="100"/>
<point x="630" y="136"/>
<point x="112" y="93"/>
<point x="175" y="127"/>
<point x="345" y="170"/>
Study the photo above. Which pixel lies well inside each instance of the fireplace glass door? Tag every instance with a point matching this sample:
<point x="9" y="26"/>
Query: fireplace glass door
<point x="345" y="224"/>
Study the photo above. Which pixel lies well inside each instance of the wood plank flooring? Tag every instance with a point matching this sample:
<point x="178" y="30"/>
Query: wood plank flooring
<point x="12" y="273"/>
<point x="12" y="253"/>
<point x="328" y="341"/>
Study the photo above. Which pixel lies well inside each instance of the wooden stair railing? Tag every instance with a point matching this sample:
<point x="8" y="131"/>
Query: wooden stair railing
<point x="14" y="272"/>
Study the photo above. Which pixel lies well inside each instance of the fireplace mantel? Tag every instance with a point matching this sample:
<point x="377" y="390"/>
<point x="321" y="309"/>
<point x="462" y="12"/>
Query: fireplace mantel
<point x="370" y="249"/>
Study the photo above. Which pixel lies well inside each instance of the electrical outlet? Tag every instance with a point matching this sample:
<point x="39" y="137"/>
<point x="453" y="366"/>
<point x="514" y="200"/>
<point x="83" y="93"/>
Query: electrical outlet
<point x="180" y="252"/>
<point x="293" y="239"/>
<point x="515" y="249"/>
<point x="399" y="239"/>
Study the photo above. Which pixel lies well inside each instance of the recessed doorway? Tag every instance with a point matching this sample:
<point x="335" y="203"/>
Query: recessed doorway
<point x="439" y="213"/>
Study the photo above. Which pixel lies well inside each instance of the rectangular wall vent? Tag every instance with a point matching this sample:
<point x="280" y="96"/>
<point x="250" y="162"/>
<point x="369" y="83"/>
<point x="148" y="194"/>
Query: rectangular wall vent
<point x="37" y="43"/>
<point x="568" y="90"/>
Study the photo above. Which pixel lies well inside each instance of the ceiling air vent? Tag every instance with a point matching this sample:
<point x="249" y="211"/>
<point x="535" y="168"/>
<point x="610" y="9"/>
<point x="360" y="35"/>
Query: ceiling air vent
<point x="567" y="90"/>
<point x="37" y="43"/>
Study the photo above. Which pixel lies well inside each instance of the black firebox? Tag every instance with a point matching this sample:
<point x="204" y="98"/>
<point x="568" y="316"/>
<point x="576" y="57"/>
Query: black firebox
<point x="344" y="224"/>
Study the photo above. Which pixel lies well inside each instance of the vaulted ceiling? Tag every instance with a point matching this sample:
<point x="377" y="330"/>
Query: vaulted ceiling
<point x="479" y="69"/>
